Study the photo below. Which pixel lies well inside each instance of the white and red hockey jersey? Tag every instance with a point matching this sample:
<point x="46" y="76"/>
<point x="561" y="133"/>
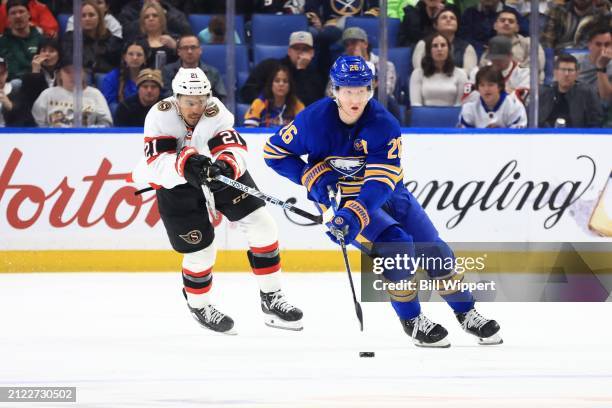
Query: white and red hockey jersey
<point x="166" y="134"/>
<point x="516" y="78"/>
<point x="508" y="113"/>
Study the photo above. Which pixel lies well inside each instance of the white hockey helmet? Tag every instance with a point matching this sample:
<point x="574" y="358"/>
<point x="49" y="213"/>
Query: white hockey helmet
<point x="191" y="81"/>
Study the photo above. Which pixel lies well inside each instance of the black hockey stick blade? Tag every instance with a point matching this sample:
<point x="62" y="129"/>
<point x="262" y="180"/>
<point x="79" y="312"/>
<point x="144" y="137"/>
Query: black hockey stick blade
<point x="347" y="265"/>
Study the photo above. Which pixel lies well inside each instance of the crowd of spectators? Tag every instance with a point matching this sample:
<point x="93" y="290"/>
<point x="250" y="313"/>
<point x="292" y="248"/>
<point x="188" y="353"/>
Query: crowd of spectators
<point x="471" y="54"/>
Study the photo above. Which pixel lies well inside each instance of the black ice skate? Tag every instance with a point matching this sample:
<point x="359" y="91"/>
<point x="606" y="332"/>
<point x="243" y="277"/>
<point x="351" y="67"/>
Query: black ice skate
<point x="485" y="329"/>
<point x="425" y="333"/>
<point x="212" y="319"/>
<point x="279" y="313"/>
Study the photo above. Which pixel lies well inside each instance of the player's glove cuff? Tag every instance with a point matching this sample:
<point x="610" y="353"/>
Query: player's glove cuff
<point x="233" y="169"/>
<point x="185" y="153"/>
<point x="360" y="211"/>
<point x="312" y="174"/>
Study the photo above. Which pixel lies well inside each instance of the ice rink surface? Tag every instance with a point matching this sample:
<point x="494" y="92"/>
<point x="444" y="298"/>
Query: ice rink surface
<point x="127" y="340"/>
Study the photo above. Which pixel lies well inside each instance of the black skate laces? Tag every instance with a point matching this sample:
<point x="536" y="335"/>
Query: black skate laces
<point x="422" y="323"/>
<point x="474" y="319"/>
<point x="279" y="302"/>
<point x="213" y="315"/>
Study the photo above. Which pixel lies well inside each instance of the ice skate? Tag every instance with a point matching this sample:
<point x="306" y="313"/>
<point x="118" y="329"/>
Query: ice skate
<point x="279" y="313"/>
<point x="426" y="333"/>
<point x="486" y="330"/>
<point x="212" y="319"/>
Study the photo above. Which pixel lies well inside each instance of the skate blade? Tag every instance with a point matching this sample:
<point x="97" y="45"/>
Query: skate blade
<point x="490" y="341"/>
<point x="278" y="323"/>
<point x="230" y="332"/>
<point x="444" y="343"/>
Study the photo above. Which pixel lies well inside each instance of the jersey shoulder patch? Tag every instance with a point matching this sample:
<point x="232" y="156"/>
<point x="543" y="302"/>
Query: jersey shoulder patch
<point x="164" y="106"/>
<point x="211" y="110"/>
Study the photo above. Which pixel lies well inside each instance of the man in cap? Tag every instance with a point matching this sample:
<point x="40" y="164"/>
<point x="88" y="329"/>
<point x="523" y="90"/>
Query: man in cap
<point x="501" y="58"/>
<point x="19" y="42"/>
<point x="133" y="111"/>
<point x="355" y="41"/>
<point x="310" y="83"/>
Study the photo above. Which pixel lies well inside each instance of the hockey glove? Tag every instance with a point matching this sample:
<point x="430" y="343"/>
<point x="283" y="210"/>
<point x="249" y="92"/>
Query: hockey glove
<point x="225" y="165"/>
<point x="349" y="221"/>
<point x="316" y="179"/>
<point x="192" y="165"/>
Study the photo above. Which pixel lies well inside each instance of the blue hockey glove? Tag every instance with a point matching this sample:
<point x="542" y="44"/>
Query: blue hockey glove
<point x="317" y="179"/>
<point x="349" y="221"/>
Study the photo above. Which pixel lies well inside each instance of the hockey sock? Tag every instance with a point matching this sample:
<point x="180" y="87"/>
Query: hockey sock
<point x="265" y="262"/>
<point x="459" y="300"/>
<point x="407" y="310"/>
<point x="197" y="285"/>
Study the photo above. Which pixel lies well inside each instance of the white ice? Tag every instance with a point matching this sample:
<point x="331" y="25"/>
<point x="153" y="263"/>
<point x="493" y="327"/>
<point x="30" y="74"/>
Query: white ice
<point x="127" y="340"/>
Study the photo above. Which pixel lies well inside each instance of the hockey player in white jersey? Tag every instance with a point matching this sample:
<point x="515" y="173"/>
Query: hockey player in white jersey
<point x="493" y="108"/>
<point x="189" y="139"/>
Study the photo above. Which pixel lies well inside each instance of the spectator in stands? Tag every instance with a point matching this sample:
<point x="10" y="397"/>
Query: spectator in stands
<point x="418" y="21"/>
<point x="355" y="41"/>
<point x="562" y="29"/>
<point x="175" y="22"/>
<point x="477" y="23"/>
<point x="438" y="82"/>
<point x="596" y="66"/>
<point x="278" y="104"/>
<point x="567" y="103"/>
<point x="494" y="108"/>
<point x="43" y="76"/>
<point x="326" y="13"/>
<point x="133" y="111"/>
<point x="155" y="35"/>
<point x="20" y="40"/>
<point x="215" y="32"/>
<point x="7" y="96"/>
<point x="40" y="17"/>
<point x="327" y="19"/>
<point x="101" y="49"/>
<point x="54" y="107"/>
<point x="516" y="78"/>
<point x="506" y="24"/>
<point x="310" y="83"/>
<point x="190" y="56"/>
<point x="110" y="21"/>
<point x="120" y="83"/>
<point x="446" y="23"/>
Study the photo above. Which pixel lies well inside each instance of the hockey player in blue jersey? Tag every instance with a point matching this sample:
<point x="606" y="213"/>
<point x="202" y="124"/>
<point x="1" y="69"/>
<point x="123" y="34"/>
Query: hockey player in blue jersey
<point x="353" y="144"/>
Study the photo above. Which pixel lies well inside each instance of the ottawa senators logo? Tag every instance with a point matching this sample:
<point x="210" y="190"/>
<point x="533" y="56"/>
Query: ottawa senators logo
<point x="192" y="237"/>
<point x="164" y="106"/>
<point x="211" y="110"/>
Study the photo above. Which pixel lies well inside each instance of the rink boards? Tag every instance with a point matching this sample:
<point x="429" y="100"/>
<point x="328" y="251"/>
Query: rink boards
<point x="65" y="205"/>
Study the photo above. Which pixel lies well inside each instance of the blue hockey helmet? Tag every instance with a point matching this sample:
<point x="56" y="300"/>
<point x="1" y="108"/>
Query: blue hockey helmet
<point x="350" y="71"/>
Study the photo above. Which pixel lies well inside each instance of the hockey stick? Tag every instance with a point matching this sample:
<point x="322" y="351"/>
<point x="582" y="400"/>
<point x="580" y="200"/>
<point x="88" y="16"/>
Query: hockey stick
<point x="339" y="234"/>
<point x="269" y="199"/>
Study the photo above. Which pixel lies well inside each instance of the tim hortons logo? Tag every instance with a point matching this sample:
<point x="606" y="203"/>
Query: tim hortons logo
<point x="62" y="197"/>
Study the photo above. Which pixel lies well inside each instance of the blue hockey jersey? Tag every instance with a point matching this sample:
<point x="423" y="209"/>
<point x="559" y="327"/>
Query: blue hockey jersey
<point x="364" y="156"/>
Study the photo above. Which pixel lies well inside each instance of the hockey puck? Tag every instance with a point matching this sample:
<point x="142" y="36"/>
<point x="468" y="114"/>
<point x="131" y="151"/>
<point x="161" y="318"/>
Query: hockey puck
<point x="366" y="354"/>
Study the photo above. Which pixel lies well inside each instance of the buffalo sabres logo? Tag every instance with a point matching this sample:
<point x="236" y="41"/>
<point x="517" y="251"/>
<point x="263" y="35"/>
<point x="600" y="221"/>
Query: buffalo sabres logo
<point x="347" y="166"/>
<point x="339" y="221"/>
<point x="192" y="237"/>
<point x="346" y="7"/>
